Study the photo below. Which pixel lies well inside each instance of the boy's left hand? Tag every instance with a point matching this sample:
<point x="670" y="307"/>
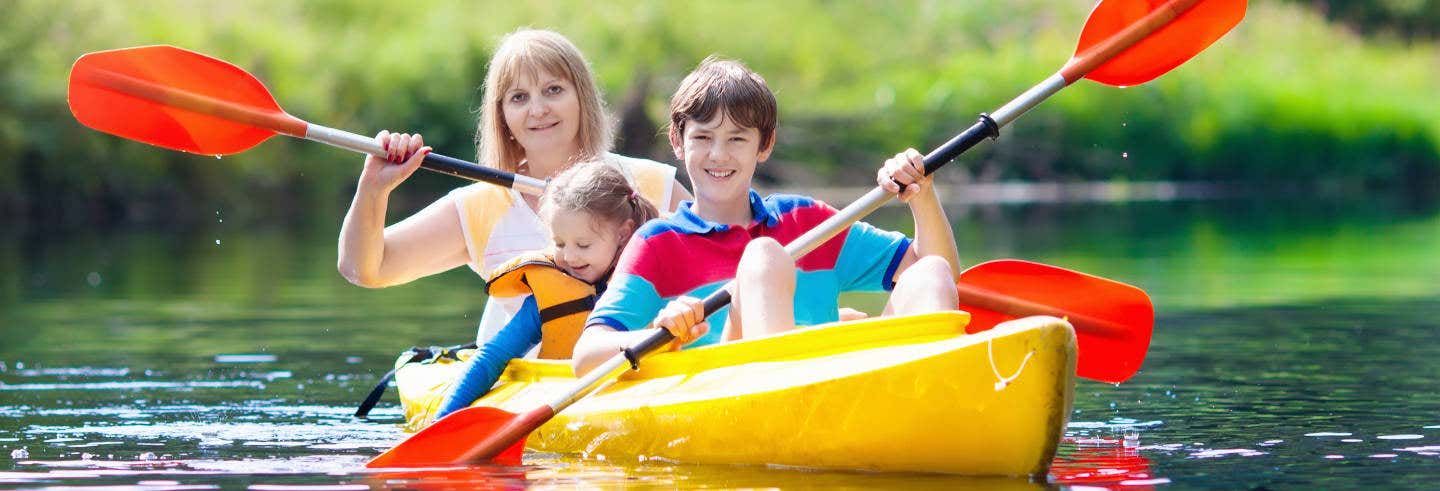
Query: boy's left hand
<point x="684" y="317"/>
<point x="904" y="169"/>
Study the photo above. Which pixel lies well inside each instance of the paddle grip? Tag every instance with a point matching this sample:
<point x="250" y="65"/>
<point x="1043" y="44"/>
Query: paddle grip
<point x="468" y="170"/>
<point x="713" y="302"/>
<point x="982" y="129"/>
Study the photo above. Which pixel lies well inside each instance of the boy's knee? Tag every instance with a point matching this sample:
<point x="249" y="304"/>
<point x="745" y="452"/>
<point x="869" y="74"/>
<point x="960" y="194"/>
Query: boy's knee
<point x="931" y="269"/>
<point x="928" y="281"/>
<point x="765" y="256"/>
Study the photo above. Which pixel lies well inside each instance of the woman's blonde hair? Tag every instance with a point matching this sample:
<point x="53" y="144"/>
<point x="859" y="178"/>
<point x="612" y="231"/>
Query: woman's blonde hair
<point x="527" y="52"/>
<point x="597" y="188"/>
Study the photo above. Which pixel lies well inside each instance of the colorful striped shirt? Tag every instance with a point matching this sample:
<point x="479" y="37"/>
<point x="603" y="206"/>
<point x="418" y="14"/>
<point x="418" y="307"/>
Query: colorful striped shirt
<point x="684" y="254"/>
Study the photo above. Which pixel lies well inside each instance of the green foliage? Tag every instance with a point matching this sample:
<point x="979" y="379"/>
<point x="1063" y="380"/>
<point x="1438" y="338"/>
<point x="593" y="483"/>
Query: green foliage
<point x="1405" y="18"/>
<point x="1284" y="97"/>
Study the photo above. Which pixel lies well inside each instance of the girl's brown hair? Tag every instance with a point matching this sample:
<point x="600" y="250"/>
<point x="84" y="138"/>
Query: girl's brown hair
<point x="599" y="189"/>
<point x="527" y="52"/>
<point x="720" y="86"/>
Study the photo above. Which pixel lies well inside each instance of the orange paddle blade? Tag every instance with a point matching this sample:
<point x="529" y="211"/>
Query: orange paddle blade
<point x="1112" y="320"/>
<point x="450" y="440"/>
<point x="177" y="99"/>
<point x="1164" y="33"/>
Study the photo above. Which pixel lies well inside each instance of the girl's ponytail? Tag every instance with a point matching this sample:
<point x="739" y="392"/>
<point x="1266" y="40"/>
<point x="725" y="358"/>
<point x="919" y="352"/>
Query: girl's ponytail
<point x="641" y="209"/>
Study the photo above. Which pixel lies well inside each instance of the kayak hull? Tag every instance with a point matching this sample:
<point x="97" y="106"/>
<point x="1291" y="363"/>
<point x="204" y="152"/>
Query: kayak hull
<point x="892" y="394"/>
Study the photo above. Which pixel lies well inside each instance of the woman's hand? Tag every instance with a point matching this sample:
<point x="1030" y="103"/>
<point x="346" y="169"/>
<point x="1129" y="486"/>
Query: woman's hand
<point x="405" y="152"/>
<point x="684" y="317"/>
<point x="905" y="169"/>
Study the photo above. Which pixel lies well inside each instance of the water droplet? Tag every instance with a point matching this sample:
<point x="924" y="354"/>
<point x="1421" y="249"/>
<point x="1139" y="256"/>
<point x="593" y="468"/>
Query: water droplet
<point x="1124" y="124"/>
<point x="93" y="279"/>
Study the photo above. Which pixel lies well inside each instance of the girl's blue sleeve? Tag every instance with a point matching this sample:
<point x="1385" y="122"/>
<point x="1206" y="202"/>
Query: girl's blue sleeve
<point x="482" y="370"/>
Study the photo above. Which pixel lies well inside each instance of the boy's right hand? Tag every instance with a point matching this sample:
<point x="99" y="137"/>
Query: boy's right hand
<point x="405" y="153"/>
<point x="684" y="317"/>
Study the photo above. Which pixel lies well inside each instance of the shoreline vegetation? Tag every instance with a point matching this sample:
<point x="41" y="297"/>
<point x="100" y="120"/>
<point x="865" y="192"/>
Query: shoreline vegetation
<point x="1287" y="99"/>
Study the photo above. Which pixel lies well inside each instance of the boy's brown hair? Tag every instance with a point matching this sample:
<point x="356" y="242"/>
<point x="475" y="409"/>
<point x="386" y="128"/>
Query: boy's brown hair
<point x="719" y="86"/>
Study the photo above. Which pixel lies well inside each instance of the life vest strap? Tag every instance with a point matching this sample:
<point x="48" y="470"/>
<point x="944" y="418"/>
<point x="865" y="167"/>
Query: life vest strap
<point x="559" y="310"/>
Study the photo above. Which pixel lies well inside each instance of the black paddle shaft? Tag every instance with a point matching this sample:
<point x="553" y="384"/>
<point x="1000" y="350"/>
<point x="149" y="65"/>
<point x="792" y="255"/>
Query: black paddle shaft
<point x="467" y="170"/>
<point x="982" y="129"/>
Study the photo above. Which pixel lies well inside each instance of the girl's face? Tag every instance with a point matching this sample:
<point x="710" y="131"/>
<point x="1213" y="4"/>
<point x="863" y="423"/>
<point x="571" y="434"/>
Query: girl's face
<point x="542" y="112"/>
<point x="584" y="246"/>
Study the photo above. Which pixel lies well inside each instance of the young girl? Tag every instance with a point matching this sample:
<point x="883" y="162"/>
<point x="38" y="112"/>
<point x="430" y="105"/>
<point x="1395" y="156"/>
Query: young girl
<point x="591" y="212"/>
<point x="541" y="113"/>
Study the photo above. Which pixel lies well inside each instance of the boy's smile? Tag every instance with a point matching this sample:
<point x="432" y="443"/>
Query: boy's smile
<point x="721" y="157"/>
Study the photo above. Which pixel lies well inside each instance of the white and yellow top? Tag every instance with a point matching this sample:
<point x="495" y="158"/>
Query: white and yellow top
<point x="499" y="226"/>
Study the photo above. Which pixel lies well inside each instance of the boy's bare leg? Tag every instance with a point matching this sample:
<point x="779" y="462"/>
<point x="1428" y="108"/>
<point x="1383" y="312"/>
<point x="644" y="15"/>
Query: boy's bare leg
<point x="764" y="300"/>
<point x="926" y="286"/>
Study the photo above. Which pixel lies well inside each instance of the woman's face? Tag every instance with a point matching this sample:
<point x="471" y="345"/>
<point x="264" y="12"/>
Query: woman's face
<point x="542" y="113"/>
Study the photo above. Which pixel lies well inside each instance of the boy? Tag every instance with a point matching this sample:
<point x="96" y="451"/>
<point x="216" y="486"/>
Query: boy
<point x="722" y="124"/>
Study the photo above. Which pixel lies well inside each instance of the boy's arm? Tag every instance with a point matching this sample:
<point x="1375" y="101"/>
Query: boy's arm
<point x="599" y="342"/>
<point x="684" y="317"/>
<point x="933" y="235"/>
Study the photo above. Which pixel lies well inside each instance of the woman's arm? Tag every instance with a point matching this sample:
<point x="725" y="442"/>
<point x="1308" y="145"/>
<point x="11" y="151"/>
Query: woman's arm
<point x="372" y="255"/>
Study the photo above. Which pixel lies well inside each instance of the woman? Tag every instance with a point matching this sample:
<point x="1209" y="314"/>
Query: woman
<point x="541" y="113"/>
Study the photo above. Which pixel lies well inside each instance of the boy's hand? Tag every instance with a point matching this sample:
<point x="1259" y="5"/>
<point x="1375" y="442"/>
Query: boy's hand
<point x="904" y="169"/>
<point x="684" y="317"/>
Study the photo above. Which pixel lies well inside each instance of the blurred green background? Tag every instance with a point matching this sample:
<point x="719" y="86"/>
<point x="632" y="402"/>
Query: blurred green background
<point x="1328" y="95"/>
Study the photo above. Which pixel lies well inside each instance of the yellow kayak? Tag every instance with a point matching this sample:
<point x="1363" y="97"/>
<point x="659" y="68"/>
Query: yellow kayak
<point x="890" y="394"/>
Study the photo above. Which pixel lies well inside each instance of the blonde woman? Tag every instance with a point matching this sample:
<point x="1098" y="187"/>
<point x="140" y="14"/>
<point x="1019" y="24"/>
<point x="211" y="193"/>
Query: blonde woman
<point x="541" y="114"/>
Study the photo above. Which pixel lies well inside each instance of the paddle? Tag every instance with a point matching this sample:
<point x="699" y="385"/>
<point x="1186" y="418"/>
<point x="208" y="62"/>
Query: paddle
<point x="183" y="100"/>
<point x="1124" y="42"/>
<point x="1112" y="320"/>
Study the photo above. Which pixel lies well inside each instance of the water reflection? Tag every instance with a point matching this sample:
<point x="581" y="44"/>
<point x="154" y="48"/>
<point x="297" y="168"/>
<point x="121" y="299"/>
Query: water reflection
<point x="1293" y="349"/>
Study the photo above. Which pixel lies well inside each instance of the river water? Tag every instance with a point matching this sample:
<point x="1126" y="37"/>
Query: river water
<point x="1293" y="348"/>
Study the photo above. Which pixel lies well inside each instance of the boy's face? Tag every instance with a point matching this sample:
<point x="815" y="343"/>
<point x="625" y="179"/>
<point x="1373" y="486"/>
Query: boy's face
<point x="721" y="157"/>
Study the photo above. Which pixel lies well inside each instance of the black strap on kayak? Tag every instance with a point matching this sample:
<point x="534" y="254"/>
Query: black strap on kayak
<point x="421" y="355"/>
